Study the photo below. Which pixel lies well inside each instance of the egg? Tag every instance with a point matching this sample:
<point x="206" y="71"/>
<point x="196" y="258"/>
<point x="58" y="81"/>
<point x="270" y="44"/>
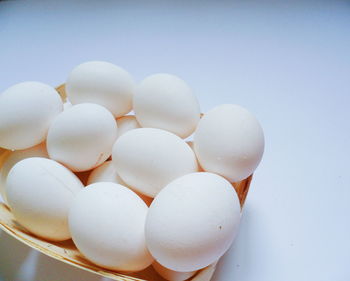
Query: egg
<point x="127" y="123"/>
<point x="229" y="141"/>
<point x="107" y="223"/>
<point x="192" y="221"/>
<point x="172" y="275"/>
<point x="107" y="172"/>
<point x="82" y="136"/>
<point x="40" y="193"/>
<point x="26" y="112"/>
<point x="16" y="156"/>
<point x="166" y="102"/>
<point x="147" y="159"/>
<point x="103" y="83"/>
<point x="190" y="143"/>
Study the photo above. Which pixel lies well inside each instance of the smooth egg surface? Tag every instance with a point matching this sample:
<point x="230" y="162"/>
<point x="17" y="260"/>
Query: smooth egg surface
<point x="165" y="101"/>
<point x="16" y="156"/>
<point x="26" y="112"/>
<point x="147" y="159"/>
<point x="172" y="275"/>
<point x="107" y="172"/>
<point x="107" y="222"/>
<point x="190" y="144"/>
<point x="40" y="192"/>
<point x="127" y="123"/>
<point x="229" y="141"/>
<point x="192" y="222"/>
<point x="82" y="136"/>
<point x="102" y="83"/>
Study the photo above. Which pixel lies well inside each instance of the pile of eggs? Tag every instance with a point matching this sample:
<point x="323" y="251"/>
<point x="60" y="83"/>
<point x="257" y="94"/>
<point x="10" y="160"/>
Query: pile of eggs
<point x="151" y="197"/>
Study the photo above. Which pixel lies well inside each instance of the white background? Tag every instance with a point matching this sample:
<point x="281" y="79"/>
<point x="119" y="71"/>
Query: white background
<point x="286" y="61"/>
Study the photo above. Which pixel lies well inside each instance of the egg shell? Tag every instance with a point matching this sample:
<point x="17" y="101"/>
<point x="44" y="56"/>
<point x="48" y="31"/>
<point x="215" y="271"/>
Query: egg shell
<point x="229" y="141"/>
<point x="190" y="143"/>
<point x="40" y="192"/>
<point x="166" y="102"/>
<point x="26" y="112"/>
<point x="107" y="172"/>
<point x="16" y="156"/>
<point x="107" y="224"/>
<point x="103" y="83"/>
<point x="127" y="123"/>
<point x="147" y="159"/>
<point x="82" y="136"/>
<point x="171" y="275"/>
<point x="192" y="222"/>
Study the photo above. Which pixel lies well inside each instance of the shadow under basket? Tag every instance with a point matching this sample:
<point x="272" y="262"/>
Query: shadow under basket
<point x="67" y="252"/>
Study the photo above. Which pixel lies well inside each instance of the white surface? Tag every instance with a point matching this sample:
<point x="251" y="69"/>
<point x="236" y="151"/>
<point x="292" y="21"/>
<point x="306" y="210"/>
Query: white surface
<point x="192" y="221"/>
<point x="287" y="62"/>
<point x="172" y="275"/>
<point x="229" y="141"/>
<point x="103" y="83"/>
<point x="126" y="123"/>
<point x="166" y="102"/>
<point x="147" y="159"/>
<point x="107" y="172"/>
<point x="40" y="193"/>
<point x="113" y="235"/>
<point x="27" y="110"/>
<point x="16" y="156"/>
<point x="82" y="136"/>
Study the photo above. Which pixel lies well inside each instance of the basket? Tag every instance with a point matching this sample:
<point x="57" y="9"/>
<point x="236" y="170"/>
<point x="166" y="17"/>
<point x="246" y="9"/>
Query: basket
<point x="67" y="252"/>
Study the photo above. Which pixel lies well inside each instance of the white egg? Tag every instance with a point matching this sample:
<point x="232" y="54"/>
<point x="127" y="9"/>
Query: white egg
<point x="190" y="143"/>
<point x="103" y="83"/>
<point x="107" y="223"/>
<point x="107" y="172"/>
<point x="172" y="275"/>
<point x="16" y="156"/>
<point x="148" y="159"/>
<point x="40" y="192"/>
<point x="166" y="102"/>
<point x="192" y="221"/>
<point x="229" y="141"/>
<point x="127" y="123"/>
<point x="26" y="112"/>
<point x="82" y="137"/>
